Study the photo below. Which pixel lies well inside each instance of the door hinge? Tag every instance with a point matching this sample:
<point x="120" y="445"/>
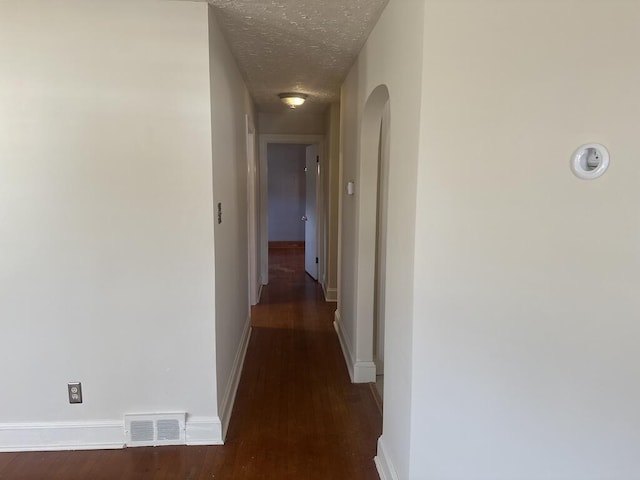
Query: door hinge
<point x="317" y="158"/>
<point x="316" y="259"/>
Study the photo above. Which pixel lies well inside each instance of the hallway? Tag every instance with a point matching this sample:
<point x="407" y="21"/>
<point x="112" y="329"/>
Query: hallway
<point x="295" y="395"/>
<point x="297" y="416"/>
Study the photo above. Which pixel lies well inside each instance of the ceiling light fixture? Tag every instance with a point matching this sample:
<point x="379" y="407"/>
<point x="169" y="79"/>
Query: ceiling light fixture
<point x="293" y="100"/>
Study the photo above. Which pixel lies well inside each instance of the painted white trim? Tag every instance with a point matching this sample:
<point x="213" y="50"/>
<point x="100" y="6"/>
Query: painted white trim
<point x="364" y="372"/>
<point x="252" y="212"/>
<point x="101" y="435"/>
<point x="204" y="431"/>
<point x="259" y="293"/>
<point x="226" y="406"/>
<point x="344" y="343"/>
<point x="330" y="294"/>
<point x="384" y="465"/>
<point x="359" y="372"/>
<point x="49" y="436"/>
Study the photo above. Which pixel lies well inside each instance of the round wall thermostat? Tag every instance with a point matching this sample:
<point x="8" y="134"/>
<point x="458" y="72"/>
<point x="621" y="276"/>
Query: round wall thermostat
<point x="590" y="161"/>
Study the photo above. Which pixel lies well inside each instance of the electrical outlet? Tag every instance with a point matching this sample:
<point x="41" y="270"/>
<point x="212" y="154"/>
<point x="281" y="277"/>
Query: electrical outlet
<point x="75" y="392"/>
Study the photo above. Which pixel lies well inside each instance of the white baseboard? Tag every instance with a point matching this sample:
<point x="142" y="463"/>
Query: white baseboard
<point x="344" y="343"/>
<point x="364" y="372"/>
<point x="226" y="406"/>
<point x="384" y="465"/>
<point x="25" y="437"/>
<point x="104" y="435"/>
<point x="359" y="371"/>
<point x="204" y="431"/>
<point x="54" y="436"/>
<point x="330" y="294"/>
<point x="48" y="436"/>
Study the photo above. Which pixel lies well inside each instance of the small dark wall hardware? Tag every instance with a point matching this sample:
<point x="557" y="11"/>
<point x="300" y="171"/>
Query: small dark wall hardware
<point x="75" y="392"/>
<point x="219" y="213"/>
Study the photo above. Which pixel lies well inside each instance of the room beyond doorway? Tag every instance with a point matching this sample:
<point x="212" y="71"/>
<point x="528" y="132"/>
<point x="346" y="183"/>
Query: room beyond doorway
<point x="292" y="187"/>
<point x="286" y="193"/>
<point x="291" y="205"/>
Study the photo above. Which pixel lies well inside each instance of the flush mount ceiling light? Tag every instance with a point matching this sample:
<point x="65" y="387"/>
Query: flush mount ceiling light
<point x="293" y="100"/>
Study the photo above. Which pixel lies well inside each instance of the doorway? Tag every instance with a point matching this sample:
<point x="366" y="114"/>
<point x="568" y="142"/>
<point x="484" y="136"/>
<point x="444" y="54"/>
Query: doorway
<point x="311" y="172"/>
<point x="306" y="218"/>
<point x="369" y="285"/>
<point x="286" y="194"/>
<point x="380" y="253"/>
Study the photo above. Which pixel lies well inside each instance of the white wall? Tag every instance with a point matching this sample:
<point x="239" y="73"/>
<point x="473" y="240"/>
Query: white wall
<point x="391" y="56"/>
<point x="291" y="122"/>
<point x="107" y="210"/>
<point x="230" y="103"/>
<point x="526" y="307"/>
<point x="106" y="264"/>
<point x="286" y="192"/>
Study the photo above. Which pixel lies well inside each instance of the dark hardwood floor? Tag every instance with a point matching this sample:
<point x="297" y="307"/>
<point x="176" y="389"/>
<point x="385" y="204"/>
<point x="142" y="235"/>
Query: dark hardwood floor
<point x="297" y="416"/>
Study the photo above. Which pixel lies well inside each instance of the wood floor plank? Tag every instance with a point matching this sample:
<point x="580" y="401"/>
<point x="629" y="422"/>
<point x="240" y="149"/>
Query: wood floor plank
<point x="6" y="459"/>
<point x="296" y="416"/>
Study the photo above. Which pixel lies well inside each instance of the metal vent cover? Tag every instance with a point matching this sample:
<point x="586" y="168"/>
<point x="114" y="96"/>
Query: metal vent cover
<point x="142" y="431"/>
<point x="154" y="429"/>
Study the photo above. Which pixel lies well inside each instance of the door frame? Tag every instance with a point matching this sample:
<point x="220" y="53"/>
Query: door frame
<point x="255" y="287"/>
<point x="263" y="235"/>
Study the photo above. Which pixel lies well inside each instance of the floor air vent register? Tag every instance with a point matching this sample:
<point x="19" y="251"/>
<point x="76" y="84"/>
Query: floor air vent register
<point x="151" y="430"/>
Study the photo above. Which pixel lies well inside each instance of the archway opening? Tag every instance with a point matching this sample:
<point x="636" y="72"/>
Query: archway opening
<point x="372" y="232"/>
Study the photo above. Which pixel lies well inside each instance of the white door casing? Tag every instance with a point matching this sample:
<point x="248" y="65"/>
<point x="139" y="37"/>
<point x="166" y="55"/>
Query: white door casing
<point x="263" y="238"/>
<point x="252" y="217"/>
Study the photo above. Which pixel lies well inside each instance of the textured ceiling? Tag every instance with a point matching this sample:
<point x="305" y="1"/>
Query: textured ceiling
<point x="304" y="46"/>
